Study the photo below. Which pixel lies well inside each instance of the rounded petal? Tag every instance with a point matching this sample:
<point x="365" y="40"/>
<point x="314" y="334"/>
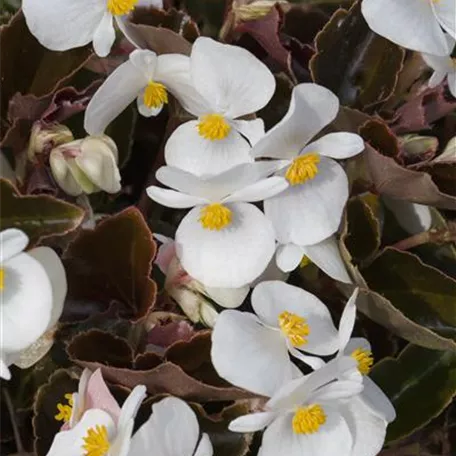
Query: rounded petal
<point x="327" y="257"/>
<point x="288" y="256"/>
<point x="414" y="218"/>
<point x="399" y="22"/>
<point x="332" y="438"/>
<point x="104" y="36"/>
<point x="249" y="355"/>
<point x="229" y="298"/>
<point x="26" y="302"/>
<point x="204" y="447"/>
<point x="445" y="12"/>
<point x="145" y="110"/>
<point x="63" y="24"/>
<point x="367" y="429"/>
<point x="270" y="299"/>
<point x="259" y="191"/>
<point x="187" y="150"/>
<point x="131" y="406"/>
<point x="12" y="242"/>
<point x="64" y="174"/>
<point x="436" y="79"/>
<point x="234" y="81"/>
<point x="231" y="257"/>
<point x="308" y="213"/>
<point x="312" y="102"/>
<point x="347" y="321"/>
<point x="146" y="62"/>
<point x="171" y="198"/>
<point x="441" y="65"/>
<point x="120" y="89"/>
<point x="377" y="401"/>
<point x="53" y="266"/>
<point x="337" y="145"/>
<point x="253" y="130"/>
<point x="253" y="422"/>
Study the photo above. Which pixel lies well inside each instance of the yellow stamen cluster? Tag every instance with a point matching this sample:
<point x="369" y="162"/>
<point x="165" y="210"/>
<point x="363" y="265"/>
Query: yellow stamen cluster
<point x="215" y="216"/>
<point x="2" y="279"/>
<point x="65" y="410"/>
<point x="213" y="127"/>
<point x="96" y="442"/>
<point x="155" y="95"/>
<point x="120" y="7"/>
<point x="294" y="327"/>
<point x="305" y="261"/>
<point x="302" y="169"/>
<point x="307" y="420"/>
<point x="364" y="359"/>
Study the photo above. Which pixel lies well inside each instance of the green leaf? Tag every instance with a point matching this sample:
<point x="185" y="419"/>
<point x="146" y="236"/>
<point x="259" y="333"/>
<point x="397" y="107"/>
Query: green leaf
<point x="38" y="216"/>
<point x="420" y="383"/>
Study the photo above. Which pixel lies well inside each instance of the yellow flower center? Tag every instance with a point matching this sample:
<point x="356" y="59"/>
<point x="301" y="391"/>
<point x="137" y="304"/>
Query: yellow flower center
<point x="65" y="410"/>
<point x="96" y="442"/>
<point x="213" y="127"/>
<point x="120" y="7"/>
<point x="155" y="95"/>
<point x="2" y="279"/>
<point x="307" y="420"/>
<point x="305" y="261"/>
<point x="294" y="327"/>
<point x="303" y="168"/>
<point x="364" y="359"/>
<point x="215" y="216"/>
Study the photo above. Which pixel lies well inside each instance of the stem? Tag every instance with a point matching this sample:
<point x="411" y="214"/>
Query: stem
<point x="9" y="406"/>
<point x="432" y="236"/>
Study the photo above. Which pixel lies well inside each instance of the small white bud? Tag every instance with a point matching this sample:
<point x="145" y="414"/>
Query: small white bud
<point x="44" y="138"/>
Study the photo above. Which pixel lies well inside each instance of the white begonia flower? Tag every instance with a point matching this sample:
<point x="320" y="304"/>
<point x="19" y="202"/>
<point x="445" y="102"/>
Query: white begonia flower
<point x="415" y="25"/>
<point x="86" y="166"/>
<point x="145" y="77"/>
<point x="32" y="290"/>
<point x="252" y="350"/>
<point x="443" y="66"/>
<point x="65" y="24"/>
<point x="310" y="210"/>
<point x="171" y="430"/>
<point x="229" y="82"/>
<point x="307" y="415"/>
<point x="223" y="241"/>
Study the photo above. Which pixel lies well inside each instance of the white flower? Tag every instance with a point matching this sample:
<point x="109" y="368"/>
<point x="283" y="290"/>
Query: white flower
<point x="307" y="415"/>
<point x="414" y="218"/>
<point x="65" y="24"/>
<point x="223" y="241"/>
<point x="171" y="430"/>
<point x="252" y="351"/>
<point x="97" y="426"/>
<point x="414" y="24"/>
<point x="444" y="67"/>
<point x="86" y="166"/>
<point x="145" y="77"/>
<point x="32" y="290"/>
<point x="310" y="210"/>
<point x="229" y="82"/>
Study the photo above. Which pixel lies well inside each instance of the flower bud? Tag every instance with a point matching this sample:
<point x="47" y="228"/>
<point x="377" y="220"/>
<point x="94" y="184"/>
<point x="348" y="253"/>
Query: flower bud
<point x="86" y="165"/>
<point x="255" y="10"/>
<point x="417" y="148"/>
<point x="44" y="137"/>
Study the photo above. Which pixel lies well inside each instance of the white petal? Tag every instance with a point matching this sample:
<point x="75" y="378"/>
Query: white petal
<point x="187" y="150"/>
<point x="326" y="256"/>
<point x="183" y="181"/>
<point x="131" y="405"/>
<point x="253" y="130"/>
<point x="204" y="447"/>
<point x="70" y="442"/>
<point x="26" y="302"/>
<point x="63" y="24"/>
<point x="171" y="198"/>
<point x="377" y="401"/>
<point x="445" y="11"/>
<point x="288" y="256"/>
<point x="311" y="212"/>
<point x="122" y="442"/>
<point x="228" y="297"/>
<point x="104" y="36"/>
<point x="145" y="62"/>
<point x="337" y="391"/>
<point x="436" y="79"/>
<point x="313" y="361"/>
<point x="399" y="22"/>
<point x="314" y="103"/>
<point x="452" y="83"/>
<point x="438" y="63"/>
<point x="145" y="110"/>
<point x="260" y="190"/>
<point x="12" y="242"/>
<point x="332" y="438"/>
<point x="337" y="145"/>
<point x="356" y="342"/>
<point x="252" y="423"/>
<point x="120" y="89"/>
<point x="63" y="173"/>
<point x="232" y="79"/>
<point x="213" y="257"/>
<point x="414" y="218"/>
<point x="270" y="299"/>
<point x="272" y="272"/>
<point x="347" y="320"/>
<point x="367" y="429"/>
<point x="4" y="371"/>
<point x="56" y="273"/>
<point x="249" y="355"/>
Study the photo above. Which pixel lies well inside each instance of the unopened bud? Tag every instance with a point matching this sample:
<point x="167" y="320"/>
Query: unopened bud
<point x="255" y="10"/>
<point x="417" y="148"/>
<point x="45" y="137"/>
<point x="86" y="165"/>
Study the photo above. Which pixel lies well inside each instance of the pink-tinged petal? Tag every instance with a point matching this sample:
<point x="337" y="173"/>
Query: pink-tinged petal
<point x="98" y="396"/>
